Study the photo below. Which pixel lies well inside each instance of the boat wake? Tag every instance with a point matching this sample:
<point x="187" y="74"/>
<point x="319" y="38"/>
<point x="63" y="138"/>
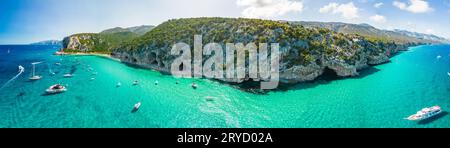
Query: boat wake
<point x="21" y="70"/>
<point x="50" y="71"/>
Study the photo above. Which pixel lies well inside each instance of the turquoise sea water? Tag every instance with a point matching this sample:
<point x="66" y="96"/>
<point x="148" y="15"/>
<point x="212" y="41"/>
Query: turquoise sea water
<point x="381" y="97"/>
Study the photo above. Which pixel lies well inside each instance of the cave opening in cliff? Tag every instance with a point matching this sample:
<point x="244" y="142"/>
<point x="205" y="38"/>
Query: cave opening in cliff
<point x="250" y="84"/>
<point x="154" y="62"/>
<point x="180" y="68"/>
<point x="152" y="58"/>
<point x="328" y="75"/>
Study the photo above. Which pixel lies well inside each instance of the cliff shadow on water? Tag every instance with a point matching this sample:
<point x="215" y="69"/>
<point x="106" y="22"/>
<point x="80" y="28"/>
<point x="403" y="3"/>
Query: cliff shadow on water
<point x="327" y="77"/>
<point x="250" y="86"/>
<point x="253" y="87"/>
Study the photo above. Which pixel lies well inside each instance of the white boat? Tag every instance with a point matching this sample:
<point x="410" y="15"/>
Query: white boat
<point x="118" y="84"/>
<point x="21" y="68"/>
<point x="156" y="82"/>
<point x="35" y="77"/>
<point x="137" y="106"/>
<point x="68" y="75"/>
<point x="57" y="88"/>
<point x="59" y="53"/>
<point x="9" y="51"/>
<point x="194" y="85"/>
<point x="448" y="73"/>
<point x="59" y="64"/>
<point x="425" y="113"/>
<point x="136" y="83"/>
<point x="92" y="79"/>
<point x="210" y="98"/>
<point x="438" y="57"/>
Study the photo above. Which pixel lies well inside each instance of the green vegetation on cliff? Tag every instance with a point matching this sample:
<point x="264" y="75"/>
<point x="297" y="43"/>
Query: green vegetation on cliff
<point x="371" y="33"/>
<point x="102" y="42"/>
<point x="307" y="52"/>
<point x="304" y="45"/>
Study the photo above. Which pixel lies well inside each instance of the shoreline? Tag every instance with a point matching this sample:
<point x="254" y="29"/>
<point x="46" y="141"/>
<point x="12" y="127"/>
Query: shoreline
<point x="245" y="86"/>
<point x="102" y="55"/>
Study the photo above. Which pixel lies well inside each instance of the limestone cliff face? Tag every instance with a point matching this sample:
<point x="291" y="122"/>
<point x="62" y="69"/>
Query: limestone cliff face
<point x="307" y="52"/>
<point x="81" y="42"/>
<point x="104" y="41"/>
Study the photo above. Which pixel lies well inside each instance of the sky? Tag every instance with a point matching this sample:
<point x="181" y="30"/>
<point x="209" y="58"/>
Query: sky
<point x="27" y="21"/>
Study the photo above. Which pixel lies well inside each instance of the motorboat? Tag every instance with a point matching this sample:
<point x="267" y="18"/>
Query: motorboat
<point x="137" y="106"/>
<point x="156" y="82"/>
<point x="195" y="86"/>
<point x="34" y="77"/>
<point x="21" y="68"/>
<point x="136" y="83"/>
<point x="210" y="98"/>
<point x="68" y="75"/>
<point x="92" y="79"/>
<point x="425" y="113"/>
<point x="59" y="53"/>
<point x="57" y="63"/>
<point x="57" y="88"/>
<point x="448" y="73"/>
<point x="118" y="84"/>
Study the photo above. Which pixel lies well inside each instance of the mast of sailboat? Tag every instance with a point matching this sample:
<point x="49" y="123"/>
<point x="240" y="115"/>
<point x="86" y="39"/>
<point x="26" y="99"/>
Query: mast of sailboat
<point x="34" y="67"/>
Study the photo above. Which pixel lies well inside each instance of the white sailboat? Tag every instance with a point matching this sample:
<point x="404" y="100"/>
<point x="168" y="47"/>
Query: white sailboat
<point x="35" y="77"/>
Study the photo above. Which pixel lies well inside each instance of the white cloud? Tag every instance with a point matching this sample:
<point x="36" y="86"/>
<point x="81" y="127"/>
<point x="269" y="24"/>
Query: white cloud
<point x="378" y="19"/>
<point x="414" y="6"/>
<point x="269" y="8"/>
<point x="430" y="31"/>
<point x="348" y="11"/>
<point x="378" y="5"/>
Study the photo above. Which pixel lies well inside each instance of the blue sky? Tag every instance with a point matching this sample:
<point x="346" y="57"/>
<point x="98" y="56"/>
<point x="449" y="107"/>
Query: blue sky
<point x="25" y="21"/>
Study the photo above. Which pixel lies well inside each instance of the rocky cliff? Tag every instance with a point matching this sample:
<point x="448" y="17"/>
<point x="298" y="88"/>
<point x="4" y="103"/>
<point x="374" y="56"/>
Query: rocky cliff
<point x="104" y="41"/>
<point x="307" y="52"/>
<point x="83" y="42"/>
